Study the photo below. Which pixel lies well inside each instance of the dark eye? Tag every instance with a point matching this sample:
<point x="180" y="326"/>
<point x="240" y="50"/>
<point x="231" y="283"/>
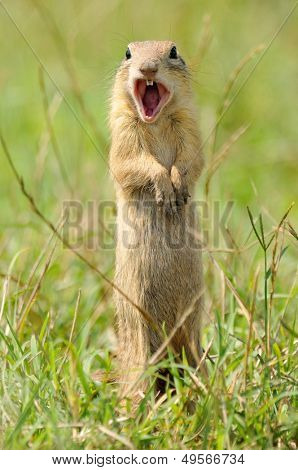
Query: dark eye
<point x="173" y="53"/>
<point x="128" y="54"/>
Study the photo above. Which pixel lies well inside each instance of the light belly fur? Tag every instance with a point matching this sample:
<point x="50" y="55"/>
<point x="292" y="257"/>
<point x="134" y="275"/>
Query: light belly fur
<point x="158" y="260"/>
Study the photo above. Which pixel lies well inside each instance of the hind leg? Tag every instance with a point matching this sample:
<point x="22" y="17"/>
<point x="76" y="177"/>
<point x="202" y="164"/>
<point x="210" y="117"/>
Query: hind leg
<point x="188" y="336"/>
<point x="133" y="351"/>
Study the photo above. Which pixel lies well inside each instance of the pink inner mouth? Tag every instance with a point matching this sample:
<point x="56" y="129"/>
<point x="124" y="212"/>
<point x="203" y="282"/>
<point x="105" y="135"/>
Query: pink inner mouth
<point x="151" y="98"/>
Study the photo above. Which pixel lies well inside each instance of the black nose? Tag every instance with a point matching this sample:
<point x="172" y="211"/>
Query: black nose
<point x="150" y="67"/>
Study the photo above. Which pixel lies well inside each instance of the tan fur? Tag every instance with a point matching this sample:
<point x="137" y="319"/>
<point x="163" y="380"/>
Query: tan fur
<point x="154" y="166"/>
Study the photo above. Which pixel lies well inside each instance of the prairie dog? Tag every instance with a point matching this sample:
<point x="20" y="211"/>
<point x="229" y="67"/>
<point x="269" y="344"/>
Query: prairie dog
<point x="155" y="161"/>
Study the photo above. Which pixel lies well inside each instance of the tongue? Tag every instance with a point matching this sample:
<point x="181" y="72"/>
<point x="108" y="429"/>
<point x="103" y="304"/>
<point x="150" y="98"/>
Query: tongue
<point x="151" y="99"/>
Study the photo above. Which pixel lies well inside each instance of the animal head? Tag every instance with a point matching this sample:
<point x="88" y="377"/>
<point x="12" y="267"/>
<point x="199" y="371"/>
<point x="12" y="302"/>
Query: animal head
<point x="155" y="77"/>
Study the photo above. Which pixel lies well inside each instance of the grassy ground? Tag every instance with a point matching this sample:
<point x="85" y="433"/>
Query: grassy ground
<point x="56" y="313"/>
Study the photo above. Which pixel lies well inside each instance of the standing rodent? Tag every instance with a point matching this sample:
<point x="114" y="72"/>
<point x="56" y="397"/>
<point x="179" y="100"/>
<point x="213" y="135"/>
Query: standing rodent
<point x="155" y="161"/>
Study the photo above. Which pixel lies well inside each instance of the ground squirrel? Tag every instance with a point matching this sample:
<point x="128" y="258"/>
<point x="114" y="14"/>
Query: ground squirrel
<point x="155" y="160"/>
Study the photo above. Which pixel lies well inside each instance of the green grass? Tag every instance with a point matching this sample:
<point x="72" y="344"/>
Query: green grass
<point x="56" y="314"/>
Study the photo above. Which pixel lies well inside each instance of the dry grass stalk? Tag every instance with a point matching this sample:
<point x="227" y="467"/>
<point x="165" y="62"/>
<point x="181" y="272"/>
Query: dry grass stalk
<point x="71" y="331"/>
<point x="276" y="256"/>
<point x="250" y="331"/>
<point x="35" y="290"/>
<point x="225" y="102"/>
<point x="33" y="271"/>
<point x="50" y="128"/>
<point x="221" y="155"/>
<point x="204" y="41"/>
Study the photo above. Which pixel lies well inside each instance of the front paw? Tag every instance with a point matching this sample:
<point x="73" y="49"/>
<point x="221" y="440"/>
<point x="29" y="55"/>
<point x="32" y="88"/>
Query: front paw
<point x="178" y="179"/>
<point x="164" y="193"/>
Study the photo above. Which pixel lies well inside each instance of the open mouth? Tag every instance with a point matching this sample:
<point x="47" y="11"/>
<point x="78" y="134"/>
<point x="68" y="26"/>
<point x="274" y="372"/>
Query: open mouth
<point x="151" y="97"/>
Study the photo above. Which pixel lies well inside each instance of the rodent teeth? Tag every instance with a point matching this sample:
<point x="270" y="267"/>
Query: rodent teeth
<point x="149" y="82"/>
